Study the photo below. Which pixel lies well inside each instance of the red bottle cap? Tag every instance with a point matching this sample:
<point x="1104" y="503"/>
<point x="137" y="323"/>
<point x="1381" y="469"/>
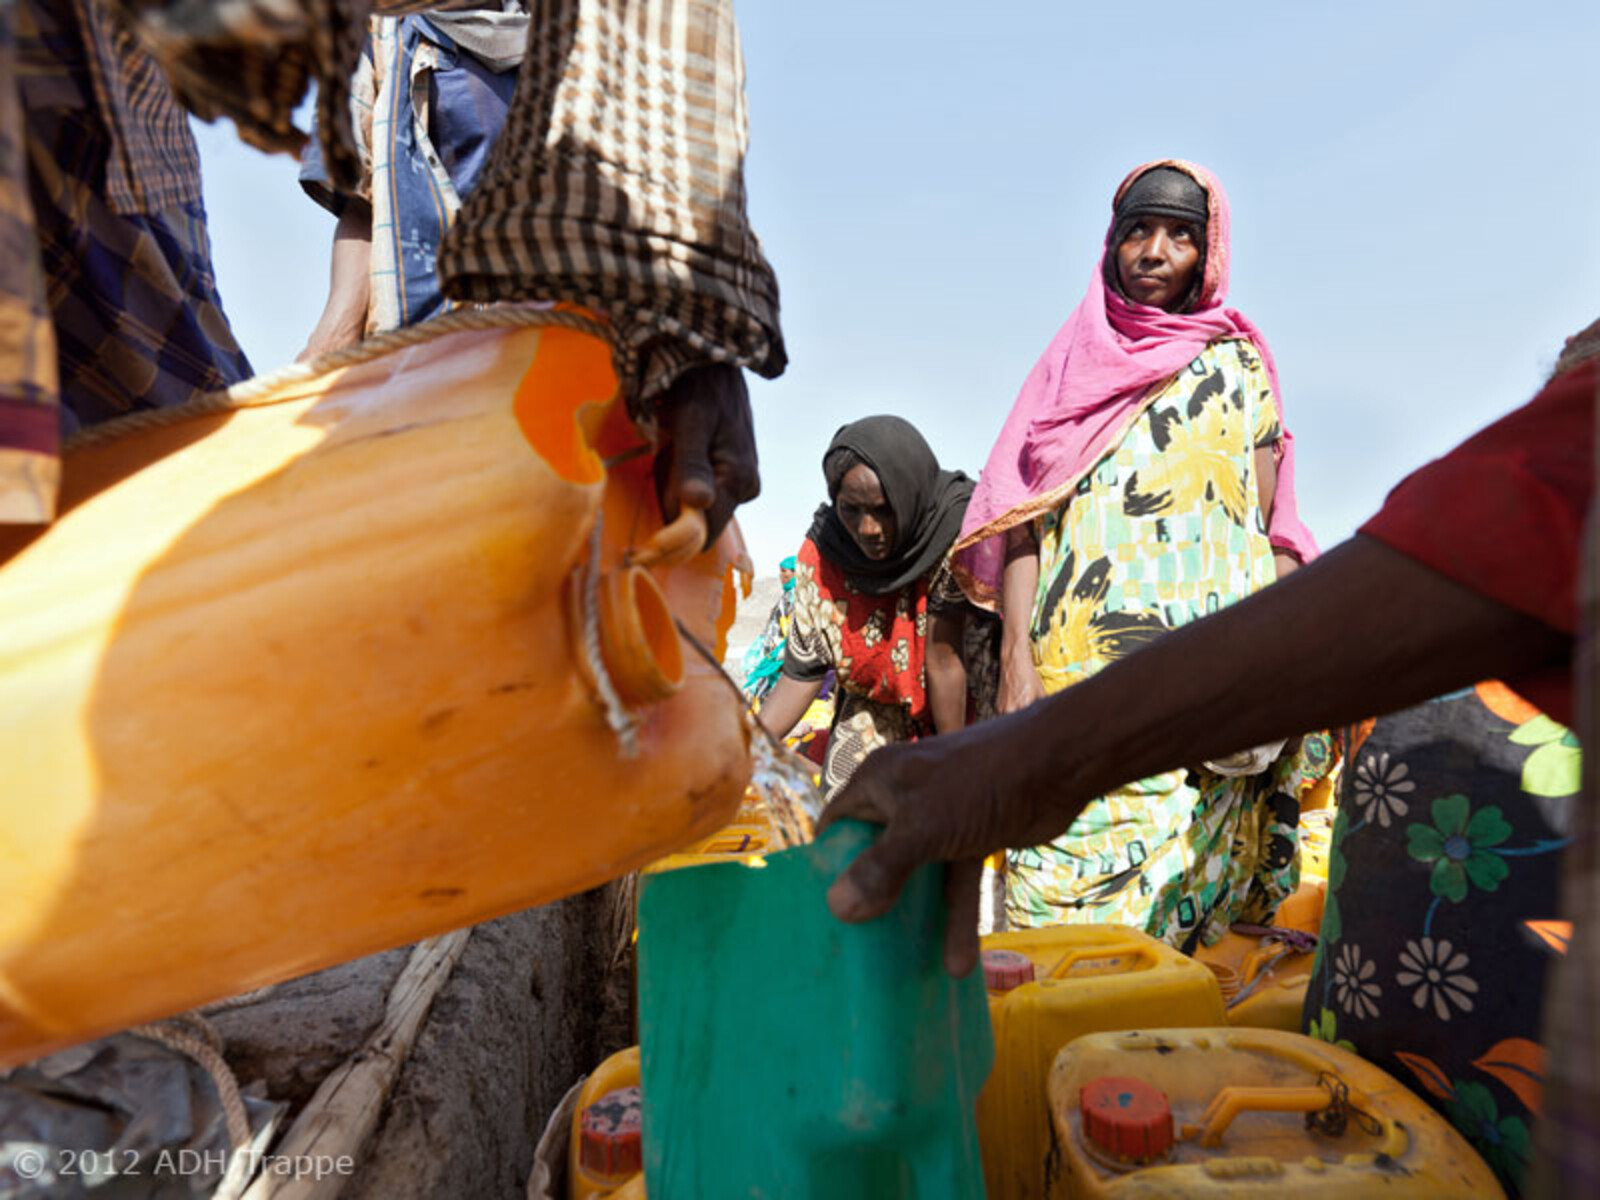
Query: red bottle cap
<point x="1126" y="1117"/>
<point x="610" y="1144"/>
<point x="1006" y="969"/>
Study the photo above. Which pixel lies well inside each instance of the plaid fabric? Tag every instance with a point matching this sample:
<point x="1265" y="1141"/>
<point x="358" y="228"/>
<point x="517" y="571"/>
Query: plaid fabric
<point x="104" y="310"/>
<point x="1567" y="1162"/>
<point x="617" y="184"/>
<point x="29" y="470"/>
<point x="151" y="159"/>
<point x="138" y="322"/>
<point x="630" y="115"/>
<point x="252" y="61"/>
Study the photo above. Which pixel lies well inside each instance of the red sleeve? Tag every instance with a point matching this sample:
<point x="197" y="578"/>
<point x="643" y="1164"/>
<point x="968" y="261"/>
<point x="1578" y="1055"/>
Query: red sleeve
<point x="1503" y="513"/>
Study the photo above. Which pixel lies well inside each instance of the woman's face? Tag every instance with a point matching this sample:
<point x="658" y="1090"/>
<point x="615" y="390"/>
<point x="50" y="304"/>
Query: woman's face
<point x="1157" y="260"/>
<point x="865" y="512"/>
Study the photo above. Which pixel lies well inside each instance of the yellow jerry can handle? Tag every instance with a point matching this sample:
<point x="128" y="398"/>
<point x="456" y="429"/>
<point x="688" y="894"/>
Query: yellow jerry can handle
<point x="1146" y="956"/>
<point x="1263" y="959"/>
<point x="1231" y="1101"/>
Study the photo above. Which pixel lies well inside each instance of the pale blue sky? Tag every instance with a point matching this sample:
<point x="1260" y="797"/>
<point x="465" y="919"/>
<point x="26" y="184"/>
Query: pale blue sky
<point x="1414" y="191"/>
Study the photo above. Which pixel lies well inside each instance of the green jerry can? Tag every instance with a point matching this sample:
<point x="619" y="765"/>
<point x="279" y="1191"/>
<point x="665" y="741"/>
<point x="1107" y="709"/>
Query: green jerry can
<point x="789" y="1056"/>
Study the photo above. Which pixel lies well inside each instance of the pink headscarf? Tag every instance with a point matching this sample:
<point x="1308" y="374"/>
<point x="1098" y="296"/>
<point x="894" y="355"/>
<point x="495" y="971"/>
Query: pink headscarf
<point x="1089" y="387"/>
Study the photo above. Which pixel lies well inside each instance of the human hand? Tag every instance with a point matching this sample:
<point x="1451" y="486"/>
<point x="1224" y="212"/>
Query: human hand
<point x="1020" y="684"/>
<point x="328" y="336"/>
<point x="708" y="455"/>
<point x="955" y="798"/>
<point x="343" y="322"/>
<point x="1252" y="761"/>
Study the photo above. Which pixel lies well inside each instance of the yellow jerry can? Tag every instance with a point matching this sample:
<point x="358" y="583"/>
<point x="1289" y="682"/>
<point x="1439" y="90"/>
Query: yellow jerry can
<point x="1263" y="973"/>
<point x="1189" y="1114"/>
<point x="605" y="1155"/>
<point x="1048" y="986"/>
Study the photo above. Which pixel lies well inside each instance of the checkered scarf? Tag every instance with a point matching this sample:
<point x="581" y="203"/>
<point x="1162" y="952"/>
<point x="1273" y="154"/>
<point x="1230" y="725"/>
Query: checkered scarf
<point x="630" y="114"/>
<point x="252" y="61"/>
<point x="617" y="183"/>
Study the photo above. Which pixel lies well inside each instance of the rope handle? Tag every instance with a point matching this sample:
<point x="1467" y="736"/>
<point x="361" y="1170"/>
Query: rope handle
<point x="197" y="1038"/>
<point x="1298" y="940"/>
<point x="1335" y="1119"/>
<point x="275" y="387"/>
<point x="624" y="723"/>
<point x="677" y="542"/>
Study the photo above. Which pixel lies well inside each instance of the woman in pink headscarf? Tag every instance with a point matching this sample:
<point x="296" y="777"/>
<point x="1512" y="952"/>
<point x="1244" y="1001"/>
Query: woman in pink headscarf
<point x="1142" y="480"/>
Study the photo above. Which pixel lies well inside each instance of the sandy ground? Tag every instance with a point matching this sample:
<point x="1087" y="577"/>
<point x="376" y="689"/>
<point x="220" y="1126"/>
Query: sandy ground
<point x="537" y="999"/>
<point x="747" y="626"/>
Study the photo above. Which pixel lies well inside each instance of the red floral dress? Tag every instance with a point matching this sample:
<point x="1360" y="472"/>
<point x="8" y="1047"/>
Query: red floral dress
<point x="877" y="648"/>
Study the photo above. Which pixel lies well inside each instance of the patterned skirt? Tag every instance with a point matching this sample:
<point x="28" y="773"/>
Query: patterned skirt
<point x="1443" y="923"/>
<point x="1182" y="855"/>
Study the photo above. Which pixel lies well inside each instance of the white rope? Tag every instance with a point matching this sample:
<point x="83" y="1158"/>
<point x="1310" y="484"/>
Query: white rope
<point x="196" y="1037"/>
<point x="623" y="723"/>
<point x="242" y="1000"/>
<point x="271" y="387"/>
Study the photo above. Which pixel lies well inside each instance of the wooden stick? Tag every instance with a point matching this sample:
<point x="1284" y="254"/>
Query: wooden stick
<point x="339" y="1119"/>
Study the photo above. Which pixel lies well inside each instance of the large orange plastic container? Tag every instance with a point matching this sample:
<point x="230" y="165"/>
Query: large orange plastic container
<point x="309" y="683"/>
<point x="1196" y="1113"/>
<point x="1048" y="986"/>
<point x="604" y="1159"/>
<point x="1263" y="978"/>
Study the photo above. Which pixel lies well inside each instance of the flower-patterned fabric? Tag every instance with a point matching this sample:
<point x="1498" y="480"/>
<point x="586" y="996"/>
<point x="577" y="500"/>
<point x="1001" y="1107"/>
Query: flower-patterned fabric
<point x="877" y="648"/>
<point x="1441" y="917"/>
<point x="1165" y="529"/>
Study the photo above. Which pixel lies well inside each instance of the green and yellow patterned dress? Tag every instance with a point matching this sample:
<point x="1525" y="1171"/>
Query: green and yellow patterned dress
<point x="1166" y="528"/>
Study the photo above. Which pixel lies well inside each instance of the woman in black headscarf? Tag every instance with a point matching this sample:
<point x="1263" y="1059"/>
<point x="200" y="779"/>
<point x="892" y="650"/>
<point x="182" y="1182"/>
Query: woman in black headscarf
<point x="874" y="598"/>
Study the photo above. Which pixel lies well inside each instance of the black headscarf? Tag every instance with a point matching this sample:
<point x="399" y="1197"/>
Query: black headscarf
<point x="1160" y="192"/>
<point x="928" y="505"/>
